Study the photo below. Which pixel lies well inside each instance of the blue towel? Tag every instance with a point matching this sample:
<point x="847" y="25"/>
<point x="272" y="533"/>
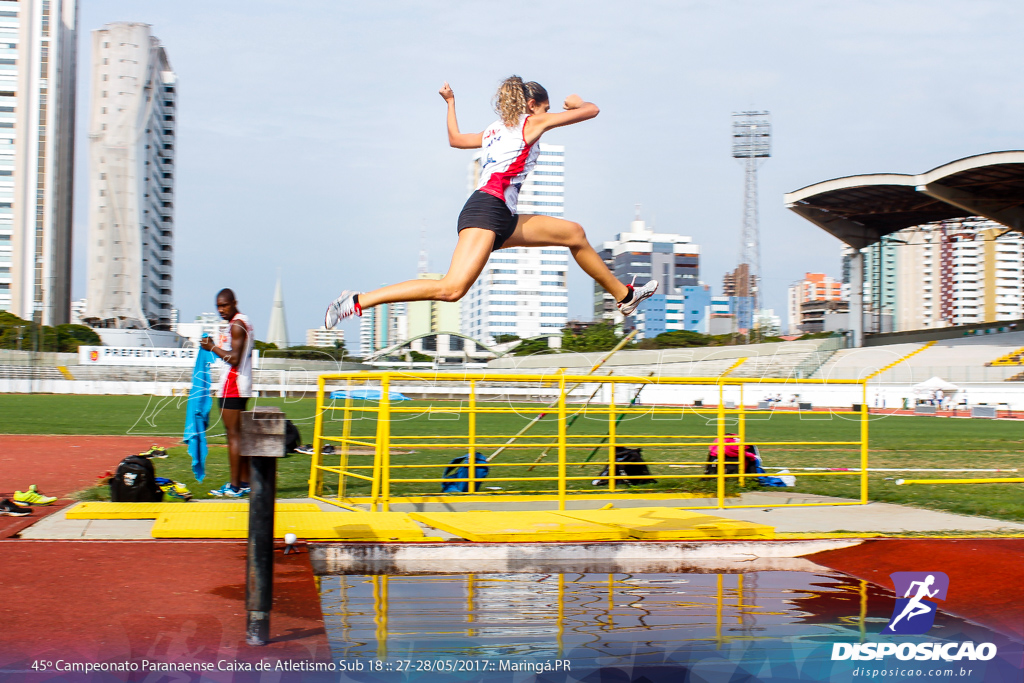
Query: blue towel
<point x="197" y="412"/>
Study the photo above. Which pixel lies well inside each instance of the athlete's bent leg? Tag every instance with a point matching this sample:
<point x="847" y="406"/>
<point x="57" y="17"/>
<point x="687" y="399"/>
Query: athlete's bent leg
<point x="547" y="231"/>
<point x="469" y="259"/>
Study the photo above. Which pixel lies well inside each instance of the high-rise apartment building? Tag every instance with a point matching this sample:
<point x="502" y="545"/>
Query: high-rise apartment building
<point x="814" y="287"/>
<point x="382" y="326"/>
<point x="523" y="291"/>
<point x="425" y="317"/>
<point x="686" y="309"/>
<point x="880" y="285"/>
<point x="131" y="179"/>
<point x="955" y="272"/>
<point x="37" y="139"/>
<point x="720" y="316"/>
<point x="740" y="286"/>
<point x="671" y="259"/>
<point x="958" y="273"/>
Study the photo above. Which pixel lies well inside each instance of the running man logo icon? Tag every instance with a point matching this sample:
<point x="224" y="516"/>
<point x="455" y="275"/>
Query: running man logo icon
<point x="914" y="613"/>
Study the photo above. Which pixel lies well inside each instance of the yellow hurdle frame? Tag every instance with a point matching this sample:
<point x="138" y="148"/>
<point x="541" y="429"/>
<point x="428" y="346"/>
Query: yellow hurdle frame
<point x="381" y="474"/>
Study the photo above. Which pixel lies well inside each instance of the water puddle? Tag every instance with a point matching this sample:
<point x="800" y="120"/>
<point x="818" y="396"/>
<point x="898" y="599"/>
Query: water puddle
<point x="594" y="620"/>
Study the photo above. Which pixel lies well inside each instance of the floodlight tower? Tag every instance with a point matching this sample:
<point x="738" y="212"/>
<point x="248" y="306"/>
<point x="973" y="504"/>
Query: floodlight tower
<point x="751" y="143"/>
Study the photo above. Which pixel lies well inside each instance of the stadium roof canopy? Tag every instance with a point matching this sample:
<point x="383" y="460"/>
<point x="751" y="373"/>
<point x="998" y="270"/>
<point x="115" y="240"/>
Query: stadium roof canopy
<point x="861" y="209"/>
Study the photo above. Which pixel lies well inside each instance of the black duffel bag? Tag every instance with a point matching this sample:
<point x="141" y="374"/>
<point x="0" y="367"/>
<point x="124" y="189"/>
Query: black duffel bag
<point x="134" y="481"/>
<point x="630" y="465"/>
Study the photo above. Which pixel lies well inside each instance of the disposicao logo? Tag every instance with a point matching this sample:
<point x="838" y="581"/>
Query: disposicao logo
<point x="914" y="614"/>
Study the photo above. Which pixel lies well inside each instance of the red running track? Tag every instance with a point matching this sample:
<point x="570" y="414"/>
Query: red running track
<point x="60" y="465"/>
<point x="164" y="601"/>
<point x="986" y="575"/>
<point x="96" y="601"/>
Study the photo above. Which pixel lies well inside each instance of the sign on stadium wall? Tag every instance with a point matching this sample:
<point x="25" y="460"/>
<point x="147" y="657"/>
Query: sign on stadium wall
<point x="136" y="355"/>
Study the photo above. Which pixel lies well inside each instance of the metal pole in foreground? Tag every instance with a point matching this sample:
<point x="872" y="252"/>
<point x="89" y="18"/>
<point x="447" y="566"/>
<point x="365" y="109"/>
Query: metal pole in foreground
<point x="263" y="441"/>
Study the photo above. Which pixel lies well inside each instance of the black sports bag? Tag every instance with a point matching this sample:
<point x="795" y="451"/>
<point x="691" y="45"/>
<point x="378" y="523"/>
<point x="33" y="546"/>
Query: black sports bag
<point x="630" y="464"/>
<point x="134" y="481"/>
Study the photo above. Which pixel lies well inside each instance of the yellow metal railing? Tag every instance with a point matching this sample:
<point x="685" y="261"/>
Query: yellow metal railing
<point x="893" y="364"/>
<point x="374" y="431"/>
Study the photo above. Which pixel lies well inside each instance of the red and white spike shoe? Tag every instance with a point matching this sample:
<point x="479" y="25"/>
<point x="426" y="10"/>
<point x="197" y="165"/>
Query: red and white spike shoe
<point x="343" y="307"/>
<point x="639" y="295"/>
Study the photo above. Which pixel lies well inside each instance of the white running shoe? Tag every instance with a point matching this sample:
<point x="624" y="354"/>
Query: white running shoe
<point x="342" y="307"/>
<point x="639" y="295"/>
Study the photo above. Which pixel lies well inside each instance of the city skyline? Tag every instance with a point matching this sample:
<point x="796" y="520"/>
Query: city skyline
<point x="320" y="190"/>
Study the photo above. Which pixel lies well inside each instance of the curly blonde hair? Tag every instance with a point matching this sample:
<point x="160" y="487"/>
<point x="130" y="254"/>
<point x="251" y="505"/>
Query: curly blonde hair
<point x="510" y="101"/>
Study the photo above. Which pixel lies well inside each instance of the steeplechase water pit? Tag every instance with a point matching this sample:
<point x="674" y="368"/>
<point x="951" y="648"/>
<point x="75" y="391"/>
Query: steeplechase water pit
<point x="720" y="616"/>
<point x="714" y="618"/>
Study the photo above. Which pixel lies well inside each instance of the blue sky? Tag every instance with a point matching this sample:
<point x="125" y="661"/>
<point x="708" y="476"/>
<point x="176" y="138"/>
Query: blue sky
<point x="311" y="137"/>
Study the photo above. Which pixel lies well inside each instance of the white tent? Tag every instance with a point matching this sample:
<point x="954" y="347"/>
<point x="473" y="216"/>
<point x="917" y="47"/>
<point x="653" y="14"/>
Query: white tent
<point x="935" y="384"/>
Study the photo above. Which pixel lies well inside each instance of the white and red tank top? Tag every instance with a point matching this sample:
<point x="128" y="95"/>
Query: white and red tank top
<point x="236" y="381"/>
<point x="505" y="161"/>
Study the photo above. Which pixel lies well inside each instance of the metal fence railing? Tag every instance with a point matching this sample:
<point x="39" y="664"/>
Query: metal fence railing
<point x="386" y="448"/>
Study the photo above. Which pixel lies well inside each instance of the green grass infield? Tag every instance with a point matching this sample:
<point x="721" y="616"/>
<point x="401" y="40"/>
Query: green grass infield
<point x="895" y="442"/>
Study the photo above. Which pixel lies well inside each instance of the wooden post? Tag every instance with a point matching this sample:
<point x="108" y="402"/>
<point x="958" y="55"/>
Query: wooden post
<point x="263" y="442"/>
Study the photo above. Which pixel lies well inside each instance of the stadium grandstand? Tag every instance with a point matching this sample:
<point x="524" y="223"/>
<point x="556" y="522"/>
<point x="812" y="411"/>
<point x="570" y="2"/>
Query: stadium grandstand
<point x="861" y="210"/>
<point x="988" y="366"/>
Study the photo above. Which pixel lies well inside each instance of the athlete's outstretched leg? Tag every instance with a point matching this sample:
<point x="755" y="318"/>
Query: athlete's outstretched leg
<point x="468" y="261"/>
<point x="547" y="231"/>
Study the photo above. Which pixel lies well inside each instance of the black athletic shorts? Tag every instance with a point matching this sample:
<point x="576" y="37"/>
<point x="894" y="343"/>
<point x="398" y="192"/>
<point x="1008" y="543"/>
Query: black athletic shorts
<point x="233" y="403"/>
<point x="486" y="211"/>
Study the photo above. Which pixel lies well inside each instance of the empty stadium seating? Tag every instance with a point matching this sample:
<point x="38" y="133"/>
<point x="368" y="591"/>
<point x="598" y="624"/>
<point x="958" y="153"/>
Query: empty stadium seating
<point x="989" y="358"/>
<point x="29" y="372"/>
<point x="954" y="360"/>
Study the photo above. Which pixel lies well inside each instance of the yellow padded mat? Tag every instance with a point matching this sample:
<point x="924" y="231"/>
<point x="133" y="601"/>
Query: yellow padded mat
<point x="335" y="526"/>
<point x="487" y="526"/>
<point x="99" y="510"/>
<point x="671" y="524"/>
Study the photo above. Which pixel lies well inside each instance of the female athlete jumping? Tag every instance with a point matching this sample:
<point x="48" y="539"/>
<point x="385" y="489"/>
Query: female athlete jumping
<point x="490" y="219"/>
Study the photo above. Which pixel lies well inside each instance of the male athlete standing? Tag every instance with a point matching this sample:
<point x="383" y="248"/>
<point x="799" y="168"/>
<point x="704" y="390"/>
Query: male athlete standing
<point x="234" y="348"/>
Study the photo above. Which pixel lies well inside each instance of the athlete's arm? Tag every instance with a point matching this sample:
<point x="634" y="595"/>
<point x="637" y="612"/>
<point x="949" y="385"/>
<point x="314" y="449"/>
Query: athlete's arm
<point x="238" y="344"/>
<point x="234" y="356"/>
<point x="455" y="138"/>
<point x="576" y="110"/>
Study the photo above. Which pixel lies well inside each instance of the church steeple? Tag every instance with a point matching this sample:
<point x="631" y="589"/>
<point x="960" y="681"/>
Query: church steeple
<point x="277" y="331"/>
